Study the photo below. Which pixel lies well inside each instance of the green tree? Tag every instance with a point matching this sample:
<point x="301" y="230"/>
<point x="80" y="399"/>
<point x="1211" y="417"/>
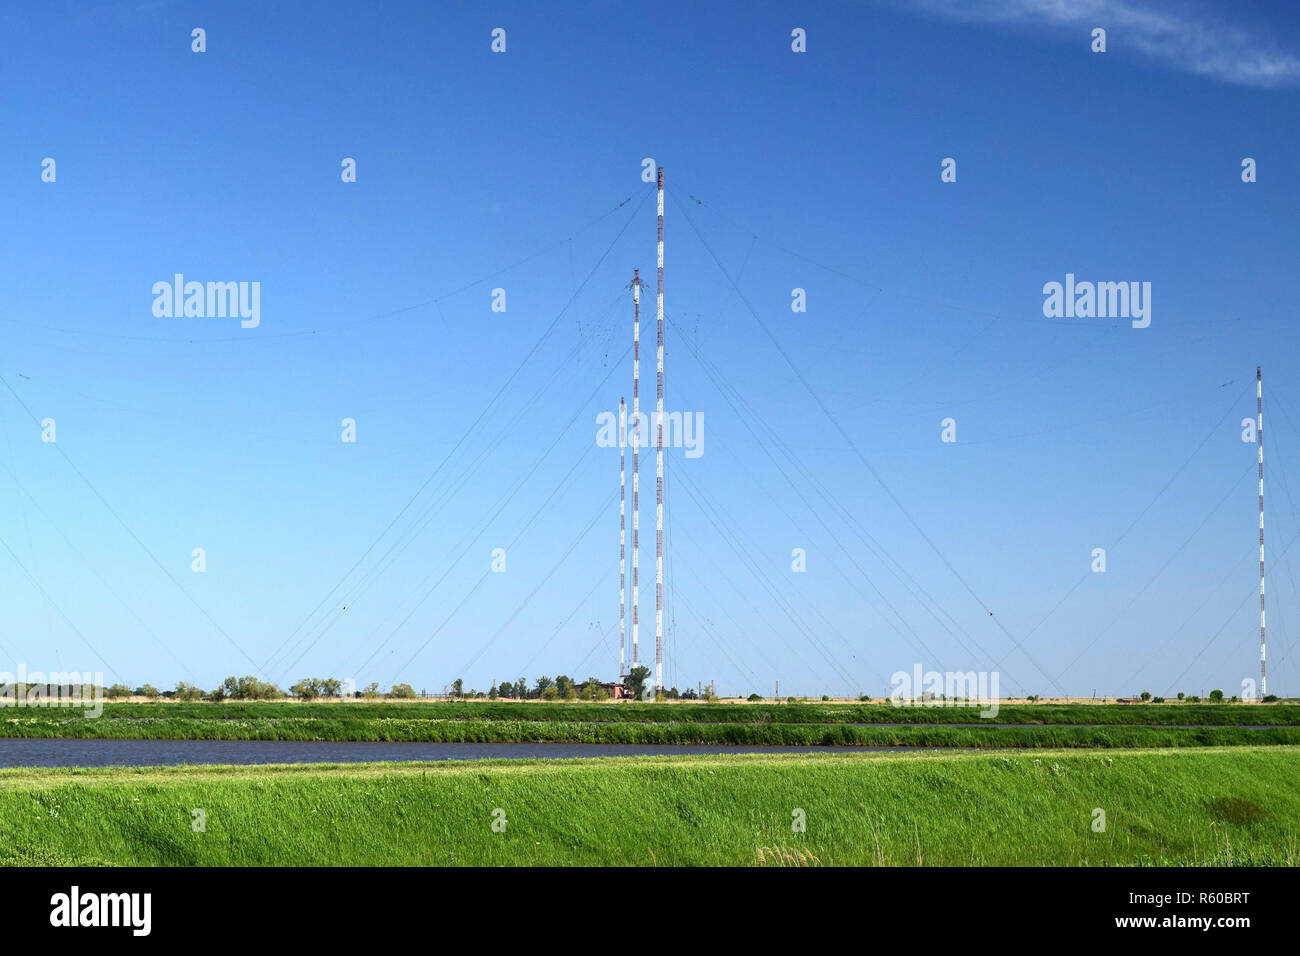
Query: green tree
<point x="249" y="688"/>
<point x="506" y="689"/>
<point x="330" y="687"/>
<point x="542" y="684"/>
<point x="1145" y="695"/>
<point x="187" y="691"/>
<point x="562" y="684"/>
<point x="551" y="693"/>
<point x="1216" y="696"/>
<point x="117" y="691"/>
<point x="371" y="691"/>
<point x="306" y="689"/>
<point x="492" y="691"/>
<point x="402" y="692"/>
<point x="635" y="682"/>
<point x="148" y="690"/>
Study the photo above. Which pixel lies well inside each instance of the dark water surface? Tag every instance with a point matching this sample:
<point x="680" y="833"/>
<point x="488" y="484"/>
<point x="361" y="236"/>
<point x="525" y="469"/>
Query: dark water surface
<point x="31" y="752"/>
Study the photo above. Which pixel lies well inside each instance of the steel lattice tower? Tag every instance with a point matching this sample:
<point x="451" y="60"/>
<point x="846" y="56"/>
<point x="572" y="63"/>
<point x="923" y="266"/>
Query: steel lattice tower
<point x="659" y="444"/>
<point x="1259" y="438"/>
<point x="636" y="463"/>
<point x="622" y="539"/>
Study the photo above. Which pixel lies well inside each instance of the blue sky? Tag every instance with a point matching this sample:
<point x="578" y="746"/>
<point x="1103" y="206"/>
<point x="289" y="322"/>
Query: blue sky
<point x="476" y="429"/>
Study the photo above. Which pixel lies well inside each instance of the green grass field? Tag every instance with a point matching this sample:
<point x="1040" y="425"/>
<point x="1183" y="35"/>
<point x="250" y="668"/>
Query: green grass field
<point x="1167" y="807"/>
<point x="636" y="712"/>
<point x="638" y="723"/>
<point x="50" y="724"/>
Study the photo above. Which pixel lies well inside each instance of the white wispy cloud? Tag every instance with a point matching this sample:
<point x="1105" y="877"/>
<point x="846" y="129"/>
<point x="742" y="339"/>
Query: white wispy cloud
<point x="1176" y="34"/>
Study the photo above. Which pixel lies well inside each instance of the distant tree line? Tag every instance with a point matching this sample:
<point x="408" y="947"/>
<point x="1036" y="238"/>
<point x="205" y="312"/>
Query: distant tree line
<point x="563" y="687"/>
<point x="253" y="688"/>
<point x="635" y="685"/>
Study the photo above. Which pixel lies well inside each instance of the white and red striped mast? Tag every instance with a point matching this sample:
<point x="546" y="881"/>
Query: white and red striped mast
<point x="1259" y="437"/>
<point x="659" y="445"/>
<point x="622" y="539"/>
<point x="636" y="461"/>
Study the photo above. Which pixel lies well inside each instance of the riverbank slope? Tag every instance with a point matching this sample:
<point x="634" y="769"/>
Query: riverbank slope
<point x="1167" y="807"/>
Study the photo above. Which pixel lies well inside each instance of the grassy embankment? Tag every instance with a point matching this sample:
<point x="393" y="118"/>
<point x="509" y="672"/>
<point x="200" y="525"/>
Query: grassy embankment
<point x="1172" y="807"/>
<point x="635" y="723"/>
<point x="636" y="712"/>
<point x="47" y="725"/>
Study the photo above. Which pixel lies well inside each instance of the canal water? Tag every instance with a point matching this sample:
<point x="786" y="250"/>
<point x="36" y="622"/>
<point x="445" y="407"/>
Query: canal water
<point x="31" y="752"/>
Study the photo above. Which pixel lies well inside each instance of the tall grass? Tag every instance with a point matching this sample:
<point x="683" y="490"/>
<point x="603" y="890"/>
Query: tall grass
<point x="636" y="712"/>
<point x="54" y="724"/>
<point x="1173" y="807"/>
